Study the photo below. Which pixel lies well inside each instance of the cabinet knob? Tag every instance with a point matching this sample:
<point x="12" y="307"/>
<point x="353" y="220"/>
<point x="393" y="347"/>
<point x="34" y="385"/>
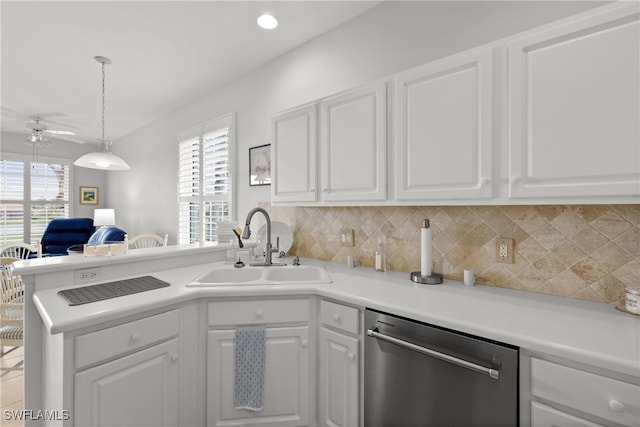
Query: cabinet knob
<point x="258" y="313"/>
<point x="351" y="356"/>
<point x="325" y="190"/>
<point x="174" y="357"/>
<point x="304" y="343"/>
<point x="484" y="182"/>
<point x="617" y="406"/>
<point x="135" y="337"/>
<point x="311" y="190"/>
<point x="515" y="179"/>
<point x="336" y="317"/>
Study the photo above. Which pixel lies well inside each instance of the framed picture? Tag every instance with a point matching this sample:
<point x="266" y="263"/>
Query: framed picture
<point x="89" y="195"/>
<point x="260" y="165"/>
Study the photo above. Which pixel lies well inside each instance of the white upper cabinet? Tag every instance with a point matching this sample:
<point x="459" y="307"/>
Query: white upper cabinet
<point x="551" y="115"/>
<point x="574" y="108"/>
<point x="443" y="129"/>
<point x="295" y="155"/>
<point x="353" y="145"/>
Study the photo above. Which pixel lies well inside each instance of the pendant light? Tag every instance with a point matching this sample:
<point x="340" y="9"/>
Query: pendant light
<point x="102" y="159"/>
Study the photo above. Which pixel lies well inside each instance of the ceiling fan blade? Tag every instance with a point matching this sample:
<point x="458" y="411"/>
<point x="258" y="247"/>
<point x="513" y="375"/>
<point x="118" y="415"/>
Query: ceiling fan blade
<point x="59" y="132"/>
<point x="69" y="138"/>
<point x="6" y="111"/>
<point x="45" y="116"/>
<point x="61" y="124"/>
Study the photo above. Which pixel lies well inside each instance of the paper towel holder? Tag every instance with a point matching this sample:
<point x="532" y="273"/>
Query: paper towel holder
<point x="425" y="276"/>
<point x="432" y="279"/>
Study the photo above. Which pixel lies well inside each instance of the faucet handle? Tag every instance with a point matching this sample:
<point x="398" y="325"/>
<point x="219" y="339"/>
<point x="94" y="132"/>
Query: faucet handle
<point x="296" y="260"/>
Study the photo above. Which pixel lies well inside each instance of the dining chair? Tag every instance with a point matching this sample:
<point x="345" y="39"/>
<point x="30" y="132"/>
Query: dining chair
<point x="20" y="250"/>
<point x="148" y="241"/>
<point x="11" y="312"/>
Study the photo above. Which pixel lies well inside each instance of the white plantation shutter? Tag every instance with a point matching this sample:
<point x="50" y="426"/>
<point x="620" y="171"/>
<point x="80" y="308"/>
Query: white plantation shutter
<point x="11" y="201"/>
<point x="188" y="190"/>
<point x="49" y="195"/>
<point x="32" y="194"/>
<point x="205" y="187"/>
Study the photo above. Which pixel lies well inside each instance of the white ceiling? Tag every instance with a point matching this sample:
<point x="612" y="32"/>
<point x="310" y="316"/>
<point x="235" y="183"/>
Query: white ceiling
<point x="165" y="54"/>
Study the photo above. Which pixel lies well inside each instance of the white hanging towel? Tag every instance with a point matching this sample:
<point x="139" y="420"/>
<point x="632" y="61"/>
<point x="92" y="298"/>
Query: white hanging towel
<point x="250" y="362"/>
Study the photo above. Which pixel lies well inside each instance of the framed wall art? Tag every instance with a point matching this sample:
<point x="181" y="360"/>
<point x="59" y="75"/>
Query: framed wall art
<point x="260" y="165"/>
<point x="89" y="196"/>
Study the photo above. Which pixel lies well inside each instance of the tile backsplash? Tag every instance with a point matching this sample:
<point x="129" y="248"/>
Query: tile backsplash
<point x="587" y="252"/>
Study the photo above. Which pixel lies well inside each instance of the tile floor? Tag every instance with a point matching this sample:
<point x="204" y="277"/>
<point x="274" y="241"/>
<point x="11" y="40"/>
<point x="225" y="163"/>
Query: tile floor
<point x="11" y="388"/>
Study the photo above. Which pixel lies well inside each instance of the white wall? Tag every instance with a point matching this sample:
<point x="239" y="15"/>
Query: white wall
<point x="390" y="38"/>
<point x="11" y="142"/>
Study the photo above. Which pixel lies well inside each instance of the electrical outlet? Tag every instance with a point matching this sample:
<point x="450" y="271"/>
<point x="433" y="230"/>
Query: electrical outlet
<point x="88" y="275"/>
<point x="504" y="250"/>
<point x="346" y="237"/>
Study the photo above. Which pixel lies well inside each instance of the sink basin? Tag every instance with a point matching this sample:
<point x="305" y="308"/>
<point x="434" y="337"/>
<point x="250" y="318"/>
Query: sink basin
<point x="276" y="275"/>
<point x="298" y="274"/>
<point x="230" y="275"/>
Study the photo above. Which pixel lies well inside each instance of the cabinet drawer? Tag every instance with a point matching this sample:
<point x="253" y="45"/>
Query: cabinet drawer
<point x="340" y="317"/>
<point x="545" y="416"/>
<point x="607" y="398"/>
<point x="107" y="343"/>
<point x="258" y="312"/>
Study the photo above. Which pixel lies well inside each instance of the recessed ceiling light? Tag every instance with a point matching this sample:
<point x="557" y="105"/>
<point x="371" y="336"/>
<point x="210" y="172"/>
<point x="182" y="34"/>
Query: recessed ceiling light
<point x="268" y="22"/>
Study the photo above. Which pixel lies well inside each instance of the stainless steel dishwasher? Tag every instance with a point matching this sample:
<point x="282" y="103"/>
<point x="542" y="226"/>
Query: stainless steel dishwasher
<point x="422" y="375"/>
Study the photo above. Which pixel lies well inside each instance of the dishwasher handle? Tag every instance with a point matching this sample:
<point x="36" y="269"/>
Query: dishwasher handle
<point x="493" y="373"/>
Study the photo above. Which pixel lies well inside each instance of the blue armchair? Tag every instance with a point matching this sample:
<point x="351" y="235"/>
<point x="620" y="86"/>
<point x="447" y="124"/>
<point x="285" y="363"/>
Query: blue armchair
<point x="107" y="234"/>
<point x="62" y="233"/>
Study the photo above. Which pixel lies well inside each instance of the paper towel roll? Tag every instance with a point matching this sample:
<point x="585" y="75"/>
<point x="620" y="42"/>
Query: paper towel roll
<point x="425" y="249"/>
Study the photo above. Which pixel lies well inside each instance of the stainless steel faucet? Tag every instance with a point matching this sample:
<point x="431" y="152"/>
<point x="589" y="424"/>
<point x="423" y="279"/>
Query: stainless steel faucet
<point x="246" y="233"/>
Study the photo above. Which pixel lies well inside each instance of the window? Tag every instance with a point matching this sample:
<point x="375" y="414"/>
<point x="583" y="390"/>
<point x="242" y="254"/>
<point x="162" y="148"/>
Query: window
<point x="32" y="193"/>
<point x="205" y="184"/>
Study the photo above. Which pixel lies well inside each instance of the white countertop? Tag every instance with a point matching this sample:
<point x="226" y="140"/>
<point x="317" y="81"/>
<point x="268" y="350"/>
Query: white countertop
<point x="592" y="333"/>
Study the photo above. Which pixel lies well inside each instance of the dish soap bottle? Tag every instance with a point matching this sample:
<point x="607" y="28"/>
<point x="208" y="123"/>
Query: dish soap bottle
<point x="381" y="256"/>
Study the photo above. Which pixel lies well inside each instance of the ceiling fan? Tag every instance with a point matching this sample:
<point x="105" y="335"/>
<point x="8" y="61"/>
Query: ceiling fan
<point x="40" y="127"/>
<point x="40" y="132"/>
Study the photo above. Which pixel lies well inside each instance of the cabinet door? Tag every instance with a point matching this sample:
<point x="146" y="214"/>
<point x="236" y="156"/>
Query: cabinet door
<point x="353" y="145"/>
<point x="136" y="390"/>
<point x="286" y="381"/>
<point x="574" y="108"/>
<point x="443" y="128"/>
<point x="294" y="155"/>
<point x="338" y="379"/>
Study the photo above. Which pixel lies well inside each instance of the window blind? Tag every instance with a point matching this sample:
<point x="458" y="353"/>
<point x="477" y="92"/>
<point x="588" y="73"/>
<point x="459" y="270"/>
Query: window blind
<point x="31" y="195"/>
<point x="204" y="180"/>
<point x="49" y="195"/>
<point x="11" y="201"/>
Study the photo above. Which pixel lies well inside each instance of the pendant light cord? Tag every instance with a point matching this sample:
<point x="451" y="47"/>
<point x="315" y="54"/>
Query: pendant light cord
<point x="103" y="79"/>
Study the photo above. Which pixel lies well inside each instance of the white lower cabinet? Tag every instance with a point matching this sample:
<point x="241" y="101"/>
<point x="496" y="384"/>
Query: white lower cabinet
<point x="339" y="356"/>
<point x="140" y="389"/>
<point x="338" y="399"/>
<point x="123" y="375"/>
<point x="563" y="395"/>
<point x="288" y="374"/>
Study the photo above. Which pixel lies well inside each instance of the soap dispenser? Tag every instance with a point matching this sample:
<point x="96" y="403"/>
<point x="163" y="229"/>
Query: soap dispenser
<point x="380" y="256"/>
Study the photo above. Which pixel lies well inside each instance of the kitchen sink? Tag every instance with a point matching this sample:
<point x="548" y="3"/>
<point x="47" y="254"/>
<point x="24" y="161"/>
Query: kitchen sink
<point x="298" y="274"/>
<point x="260" y="275"/>
<point x="229" y="275"/>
